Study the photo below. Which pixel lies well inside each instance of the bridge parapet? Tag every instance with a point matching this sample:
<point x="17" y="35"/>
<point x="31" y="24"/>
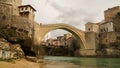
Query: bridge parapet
<point x="62" y="25"/>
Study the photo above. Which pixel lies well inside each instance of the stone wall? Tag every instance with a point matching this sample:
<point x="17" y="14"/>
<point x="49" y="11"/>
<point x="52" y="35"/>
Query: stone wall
<point x="13" y="27"/>
<point x="92" y="40"/>
<point x="18" y="29"/>
<point x="109" y="44"/>
<point x="37" y="32"/>
<point x="111" y="12"/>
<point x="107" y="38"/>
<point x="5" y="13"/>
<point x="6" y="1"/>
<point x="21" y="22"/>
<point x="116" y="23"/>
<point x="15" y="4"/>
<point x="88" y="52"/>
<point x="9" y="8"/>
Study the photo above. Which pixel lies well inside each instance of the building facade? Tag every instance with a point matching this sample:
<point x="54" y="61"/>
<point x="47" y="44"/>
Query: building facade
<point x="105" y="36"/>
<point x="92" y="27"/>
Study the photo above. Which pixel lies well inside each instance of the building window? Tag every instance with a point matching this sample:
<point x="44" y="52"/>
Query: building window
<point x="118" y="38"/>
<point x="107" y="29"/>
<point x="22" y="8"/>
<point x="115" y="29"/>
<point x="3" y="17"/>
<point x="101" y="30"/>
<point x="25" y="8"/>
<point x="118" y="13"/>
<point x="104" y="29"/>
<point x="89" y="29"/>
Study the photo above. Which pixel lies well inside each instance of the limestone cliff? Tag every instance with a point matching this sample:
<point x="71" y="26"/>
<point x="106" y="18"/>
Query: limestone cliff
<point x="8" y="50"/>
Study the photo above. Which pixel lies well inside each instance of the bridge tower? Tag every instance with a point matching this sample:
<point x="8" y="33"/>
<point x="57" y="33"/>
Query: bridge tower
<point x="27" y="11"/>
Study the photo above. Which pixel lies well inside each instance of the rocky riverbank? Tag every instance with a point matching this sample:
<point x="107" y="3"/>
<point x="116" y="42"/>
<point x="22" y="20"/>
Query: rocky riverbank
<point x="9" y="50"/>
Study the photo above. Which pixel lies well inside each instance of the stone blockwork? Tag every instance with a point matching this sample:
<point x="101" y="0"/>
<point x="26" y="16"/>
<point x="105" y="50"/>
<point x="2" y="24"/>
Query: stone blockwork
<point x="41" y="30"/>
<point x="15" y="9"/>
<point x="92" y="40"/>
<point x="37" y="34"/>
<point x="5" y="12"/>
<point x="88" y="52"/>
<point x="116" y="21"/>
<point x="44" y="29"/>
<point x="111" y="12"/>
<point x="107" y="39"/>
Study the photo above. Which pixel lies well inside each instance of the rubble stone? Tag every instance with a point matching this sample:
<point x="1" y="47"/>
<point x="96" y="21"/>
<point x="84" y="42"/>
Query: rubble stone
<point x="9" y="51"/>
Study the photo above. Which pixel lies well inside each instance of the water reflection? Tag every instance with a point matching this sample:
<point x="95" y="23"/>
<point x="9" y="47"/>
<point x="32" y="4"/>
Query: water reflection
<point x="89" y="62"/>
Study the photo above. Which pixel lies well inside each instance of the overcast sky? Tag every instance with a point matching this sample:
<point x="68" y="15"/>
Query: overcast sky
<point x="72" y="12"/>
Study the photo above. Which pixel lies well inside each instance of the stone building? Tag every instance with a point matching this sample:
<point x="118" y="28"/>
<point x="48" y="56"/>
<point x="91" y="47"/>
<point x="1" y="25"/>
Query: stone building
<point x="109" y="30"/>
<point x="69" y="35"/>
<point x="104" y="36"/>
<point x="111" y="23"/>
<point x="27" y="11"/>
<point x="67" y="42"/>
<point x="60" y="40"/>
<point x="92" y="38"/>
<point x="49" y="42"/>
<point x="106" y="27"/>
<point x="17" y="22"/>
<point x="111" y="12"/>
<point x="92" y="27"/>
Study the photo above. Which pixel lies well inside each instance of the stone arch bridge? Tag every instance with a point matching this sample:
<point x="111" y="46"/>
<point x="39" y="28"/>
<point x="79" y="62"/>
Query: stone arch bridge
<point x="42" y="30"/>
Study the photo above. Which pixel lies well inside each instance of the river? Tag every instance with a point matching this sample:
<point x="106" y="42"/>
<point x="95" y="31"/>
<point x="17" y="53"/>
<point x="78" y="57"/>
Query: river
<point x="83" y="62"/>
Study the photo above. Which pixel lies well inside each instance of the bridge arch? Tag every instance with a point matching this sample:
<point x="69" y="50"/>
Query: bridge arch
<point x="79" y="34"/>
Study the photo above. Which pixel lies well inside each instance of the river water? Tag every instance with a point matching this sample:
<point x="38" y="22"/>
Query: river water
<point x="88" y="62"/>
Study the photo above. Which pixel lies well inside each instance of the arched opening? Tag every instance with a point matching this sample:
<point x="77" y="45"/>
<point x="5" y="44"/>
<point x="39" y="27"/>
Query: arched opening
<point x="60" y="45"/>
